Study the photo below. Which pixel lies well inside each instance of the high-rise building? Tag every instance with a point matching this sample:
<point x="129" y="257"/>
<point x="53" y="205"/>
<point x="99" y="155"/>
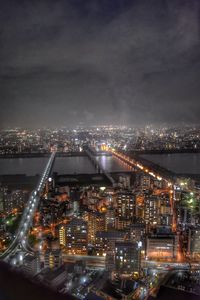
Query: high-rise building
<point x="10" y="200"/>
<point x="157" y="210"/>
<point x="77" y="236"/>
<point x="137" y="232"/>
<point x="165" y="214"/>
<point x="127" y="257"/>
<point x="96" y="222"/>
<point x="105" y="241"/>
<point x="186" y="208"/>
<point x="125" y="205"/>
<point x="145" y="182"/>
<point x="110" y="219"/>
<point x="124" y="182"/>
<point x="122" y="223"/>
<point x="151" y="211"/>
<point x="185" y="216"/>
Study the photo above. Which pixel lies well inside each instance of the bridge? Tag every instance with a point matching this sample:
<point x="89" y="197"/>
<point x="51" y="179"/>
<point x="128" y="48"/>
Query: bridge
<point x="20" y="241"/>
<point x="137" y="164"/>
<point x="98" y="165"/>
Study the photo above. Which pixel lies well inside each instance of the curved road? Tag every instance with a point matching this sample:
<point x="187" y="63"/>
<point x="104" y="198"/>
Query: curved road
<point x="20" y="240"/>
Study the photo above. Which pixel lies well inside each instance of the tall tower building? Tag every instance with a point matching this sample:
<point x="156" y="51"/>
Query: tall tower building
<point x="151" y="210"/>
<point x="96" y="222"/>
<point x="125" y="209"/>
<point x="125" y="205"/>
<point x="77" y="236"/>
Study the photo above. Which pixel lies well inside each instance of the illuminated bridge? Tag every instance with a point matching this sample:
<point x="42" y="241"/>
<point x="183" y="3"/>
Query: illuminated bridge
<point x="20" y="241"/>
<point x="134" y="162"/>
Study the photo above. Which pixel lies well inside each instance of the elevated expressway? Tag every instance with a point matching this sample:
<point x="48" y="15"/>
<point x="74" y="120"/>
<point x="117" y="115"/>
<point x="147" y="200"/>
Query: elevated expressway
<point x="21" y="236"/>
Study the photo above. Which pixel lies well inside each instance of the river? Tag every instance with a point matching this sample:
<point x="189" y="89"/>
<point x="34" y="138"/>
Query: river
<point x="28" y="166"/>
<point x="180" y="163"/>
<point x="62" y="165"/>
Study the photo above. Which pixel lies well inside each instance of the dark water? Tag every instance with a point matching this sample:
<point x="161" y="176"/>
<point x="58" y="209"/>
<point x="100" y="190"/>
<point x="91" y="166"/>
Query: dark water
<point x="73" y="164"/>
<point x="178" y="163"/>
<point x="28" y="166"/>
<point x="182" y="163"/>
<point x="62" y="165"/>
<point x="82" y="165"/>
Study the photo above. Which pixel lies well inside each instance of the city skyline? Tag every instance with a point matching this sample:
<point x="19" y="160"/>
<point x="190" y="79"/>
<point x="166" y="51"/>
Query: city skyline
<point x="84" y="210"/>
<point x="100" y="149"/>
<point x="94" y="62"/>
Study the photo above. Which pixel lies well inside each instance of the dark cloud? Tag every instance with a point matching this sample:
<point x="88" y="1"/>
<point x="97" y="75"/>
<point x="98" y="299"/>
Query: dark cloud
<point x="99" y="61"/>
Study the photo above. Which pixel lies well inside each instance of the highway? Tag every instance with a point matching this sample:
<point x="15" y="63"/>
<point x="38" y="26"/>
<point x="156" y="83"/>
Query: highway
<point x="160" y="175"/>
<point x="132" y="162"/>
<point x="167" y="265"/>
<point x="21" y="236"/>
<point x="99" y="261"/>
<point x="96" y="262"/>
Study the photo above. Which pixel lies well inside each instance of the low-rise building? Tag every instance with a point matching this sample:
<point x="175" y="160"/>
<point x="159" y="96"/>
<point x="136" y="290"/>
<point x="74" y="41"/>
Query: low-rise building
<point x="194" y="242"/>
<point x="162" y="246"/>
<point x="52" y="258"/>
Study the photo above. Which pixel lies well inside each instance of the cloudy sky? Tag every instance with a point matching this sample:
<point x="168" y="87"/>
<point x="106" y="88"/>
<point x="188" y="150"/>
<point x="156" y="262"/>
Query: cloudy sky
<point x="63" y="62"/>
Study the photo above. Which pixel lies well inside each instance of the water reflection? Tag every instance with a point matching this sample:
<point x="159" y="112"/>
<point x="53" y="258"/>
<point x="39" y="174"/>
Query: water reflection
<point x="113" y="164"/>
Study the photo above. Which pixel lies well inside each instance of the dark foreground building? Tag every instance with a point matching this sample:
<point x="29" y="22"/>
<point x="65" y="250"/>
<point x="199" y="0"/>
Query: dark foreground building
<point x="15" y="286"/>
<point x="166" y="293"/>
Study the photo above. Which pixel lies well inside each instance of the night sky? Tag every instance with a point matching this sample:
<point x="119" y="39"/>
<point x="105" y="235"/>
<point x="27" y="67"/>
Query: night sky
<point x="94" y="62"/>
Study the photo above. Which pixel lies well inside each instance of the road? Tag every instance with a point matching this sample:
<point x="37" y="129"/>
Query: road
<point x="132" y="162"/>
<point x="96" y="262"/>
<point x="159" y="274"/>
<point x="21" y="236"/>
<point x="167" y="265"/>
